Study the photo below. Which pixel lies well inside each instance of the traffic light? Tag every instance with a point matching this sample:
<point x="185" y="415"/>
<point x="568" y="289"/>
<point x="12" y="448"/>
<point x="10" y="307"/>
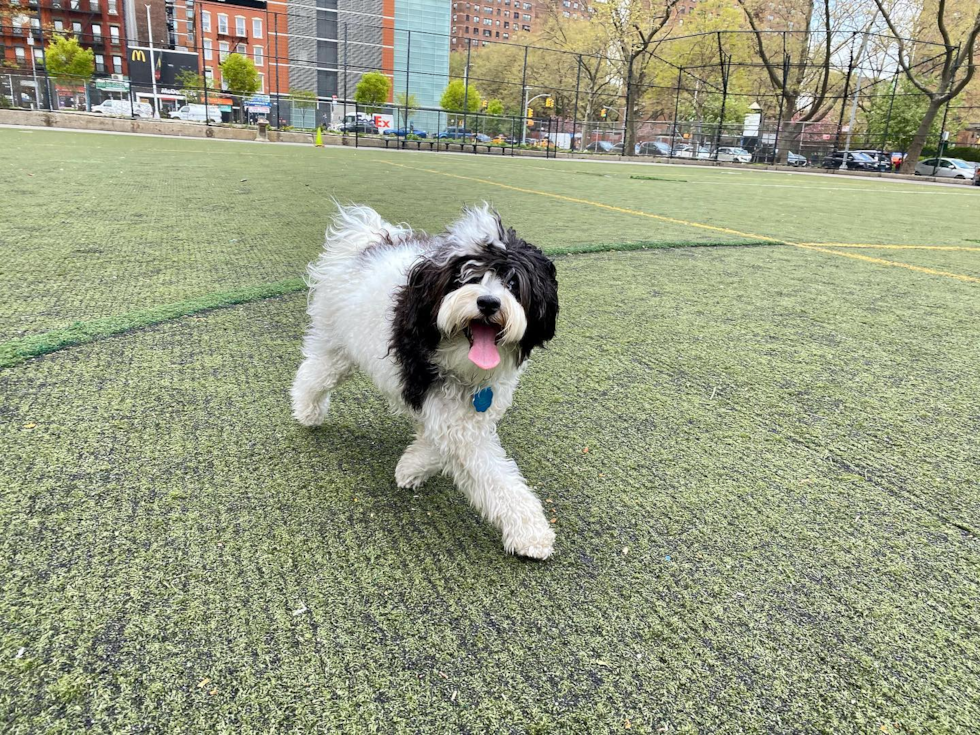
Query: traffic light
<point x="549" y="102"/>
<point x="530" y="112"/>
<point x="602" y="113"/>
<point x="484" y="104"/>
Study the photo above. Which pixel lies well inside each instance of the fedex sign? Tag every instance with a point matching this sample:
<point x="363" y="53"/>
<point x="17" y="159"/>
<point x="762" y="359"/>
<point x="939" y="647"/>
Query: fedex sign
<point x="384" y="123"/>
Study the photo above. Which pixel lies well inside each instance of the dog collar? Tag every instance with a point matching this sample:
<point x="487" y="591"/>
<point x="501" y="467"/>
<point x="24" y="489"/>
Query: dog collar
<point x="482" y="399"/>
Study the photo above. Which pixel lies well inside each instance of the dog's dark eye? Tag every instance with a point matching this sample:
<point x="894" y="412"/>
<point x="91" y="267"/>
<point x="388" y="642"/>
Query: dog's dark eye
<point x="512" y="284"/>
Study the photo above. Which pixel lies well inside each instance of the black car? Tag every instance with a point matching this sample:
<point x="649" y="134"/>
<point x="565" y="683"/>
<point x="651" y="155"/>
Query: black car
<point x="855" y="161"/>
<point x="882" y="159"/>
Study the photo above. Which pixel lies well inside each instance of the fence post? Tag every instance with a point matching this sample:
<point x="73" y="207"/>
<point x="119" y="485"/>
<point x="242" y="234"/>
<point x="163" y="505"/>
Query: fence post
<point x="677" y="99"/>
<point x="724" y="95"/>
<point x="275" y="41"/>
<point x="466" y="84"/>
<point x="523" y="98"/>
<point x="779" y="120"/>
<point x="626" y="110"/>
<point x="888" y="117"/>
<point x="204" y="77"/>
<point x="346" y="97"/>
<point x="578" y="81"/>
<point x="44" y="60"/>
<point x="408" y="66"/>
<point x="843" y="99"/>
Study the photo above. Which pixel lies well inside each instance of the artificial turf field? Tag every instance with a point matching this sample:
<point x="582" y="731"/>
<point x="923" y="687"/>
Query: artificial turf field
<point x="762" y="457"/>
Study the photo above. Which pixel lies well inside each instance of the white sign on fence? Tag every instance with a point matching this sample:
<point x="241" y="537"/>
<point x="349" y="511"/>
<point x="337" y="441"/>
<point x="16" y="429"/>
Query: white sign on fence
<point x="384" y="122"/>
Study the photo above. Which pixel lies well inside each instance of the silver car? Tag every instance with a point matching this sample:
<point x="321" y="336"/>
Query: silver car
<point x="948" y="168"/>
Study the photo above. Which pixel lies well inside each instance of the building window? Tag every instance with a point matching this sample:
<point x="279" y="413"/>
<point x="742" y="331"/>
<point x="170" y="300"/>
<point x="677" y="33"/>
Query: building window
<point x="261" y="83"/>
<point x="258" y="53"/>
<point x="208" y="49"/>
<point x="506" y="36"/>
<point x="100" y="63"/>
<point x="38" y="56"/>
<point x="222" y="50"/>
<point x="114" y="33"/>
<point x="488" y="21"/>
<point x="205" y="21"/>
<point x="75" y="4"/>
<point x="240" y="26"/>
<point x="20" y="54"/>
<point x="241" y="49"/>
<point x="76" y="28"/>
<point x="208" y="76"/>
<point x="96" y="32"/>
<point x="94" y="5"/>
<point x="113" y="7"/>
<point x="256" y="28"/>
<point x="59" y="25"/>
<point x="117" y="64"/>
<point x="222" y="23"/>
<point x="488" y="33"/>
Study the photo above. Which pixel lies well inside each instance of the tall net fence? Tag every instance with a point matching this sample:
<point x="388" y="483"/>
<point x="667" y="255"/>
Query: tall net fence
<point x="784" y="96"/>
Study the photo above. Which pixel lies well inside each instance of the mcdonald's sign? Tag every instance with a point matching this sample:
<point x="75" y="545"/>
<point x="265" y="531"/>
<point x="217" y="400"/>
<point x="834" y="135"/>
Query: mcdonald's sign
<point x="138" y="55"/>
<point x="169" y="63"/>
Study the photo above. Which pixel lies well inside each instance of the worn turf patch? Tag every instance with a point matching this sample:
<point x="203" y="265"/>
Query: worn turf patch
<point x="16" y="351"/>
<point x="658" y="178"/>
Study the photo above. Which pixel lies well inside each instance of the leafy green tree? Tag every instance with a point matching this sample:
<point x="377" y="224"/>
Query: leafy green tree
<point x="191" y="84"/>
<point x="455" y="94"/>
<point x="373" y="90"/>
<point x="70" y="64"/>
<point x="495" y="107"/>
<point x="239" y="76"/>
<point x="898" y="129"/>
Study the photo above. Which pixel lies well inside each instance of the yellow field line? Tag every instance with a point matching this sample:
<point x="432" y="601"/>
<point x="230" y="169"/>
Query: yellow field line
<point x="893" y="263"/>
<point x="674" y="220"/>
<point x="574" y="200"/>
<point x="889" y="247"/>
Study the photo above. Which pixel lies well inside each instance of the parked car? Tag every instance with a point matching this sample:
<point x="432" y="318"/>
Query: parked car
<point x="948" y="168"/>
<point x="481" y="138"/>
<point x="734" y="155"/>
<point x="358" y="123"/>
<point x="703" y="153"/>
<point x="198" y="113"/>
<point x="883" y="159"/>
<point x="855" y="161"/>
<point x="603" y="146"/>
<point x="652" y="148"/>
<point x="795" y="159"/>
<point x="123" y="108"/>
<point x="404" y="132"/>
<point x="455" y="133"/>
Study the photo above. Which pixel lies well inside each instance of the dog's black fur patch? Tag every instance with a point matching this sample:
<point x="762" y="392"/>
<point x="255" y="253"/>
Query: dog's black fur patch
<point x="529" y="274"/>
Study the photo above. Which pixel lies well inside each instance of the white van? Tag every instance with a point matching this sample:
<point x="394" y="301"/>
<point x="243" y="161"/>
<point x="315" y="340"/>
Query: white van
<point x="123" y="108"/>
<point x="196" y="113"/>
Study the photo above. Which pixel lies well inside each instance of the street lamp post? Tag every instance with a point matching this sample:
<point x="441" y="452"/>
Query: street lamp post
<point x="153" y="67"/>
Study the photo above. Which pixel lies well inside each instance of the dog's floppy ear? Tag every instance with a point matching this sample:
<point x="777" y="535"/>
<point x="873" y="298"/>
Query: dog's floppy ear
<point x="542" y="311"/>
<point x="414" y="333"/>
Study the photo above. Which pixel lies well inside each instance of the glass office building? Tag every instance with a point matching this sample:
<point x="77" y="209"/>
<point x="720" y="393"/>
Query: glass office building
<point x="422" y="57"/>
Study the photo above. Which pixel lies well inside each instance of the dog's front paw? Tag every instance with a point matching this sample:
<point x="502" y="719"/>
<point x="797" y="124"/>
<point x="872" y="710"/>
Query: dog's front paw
<point x="410" y="474"/>
<point x="311" y="413"/>
<point x="535" y="541"/>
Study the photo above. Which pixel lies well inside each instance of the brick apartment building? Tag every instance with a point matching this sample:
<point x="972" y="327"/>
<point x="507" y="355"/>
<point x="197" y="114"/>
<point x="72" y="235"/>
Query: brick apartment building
<point x="97" y="24"/>
<point x="249" y="28"/>
<point x="476" y="24"/>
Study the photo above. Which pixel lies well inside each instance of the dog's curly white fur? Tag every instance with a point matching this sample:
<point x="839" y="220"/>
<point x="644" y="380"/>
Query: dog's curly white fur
<point x="433" y="321"/>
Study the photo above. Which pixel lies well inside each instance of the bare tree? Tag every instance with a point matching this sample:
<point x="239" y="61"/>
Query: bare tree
<point x="634" y="32"/>
<point x="955" y="64"/>
<point x="803" y="68"/>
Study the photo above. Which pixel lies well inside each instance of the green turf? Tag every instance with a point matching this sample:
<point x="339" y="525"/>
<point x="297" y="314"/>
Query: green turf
<point x="765" y="535"/>
<point x="775" y="528"/>
<point x="115" y="224"/>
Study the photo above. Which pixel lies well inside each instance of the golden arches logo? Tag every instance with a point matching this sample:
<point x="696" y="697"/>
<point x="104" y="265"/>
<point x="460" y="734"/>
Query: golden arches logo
<point x="138" y="55"/>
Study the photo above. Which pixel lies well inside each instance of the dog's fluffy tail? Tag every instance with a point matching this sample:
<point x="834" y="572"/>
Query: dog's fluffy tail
<point x="356" y="227"/>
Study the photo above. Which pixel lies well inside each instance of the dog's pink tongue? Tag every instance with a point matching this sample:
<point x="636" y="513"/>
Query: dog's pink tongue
<point x="484" y="353"/>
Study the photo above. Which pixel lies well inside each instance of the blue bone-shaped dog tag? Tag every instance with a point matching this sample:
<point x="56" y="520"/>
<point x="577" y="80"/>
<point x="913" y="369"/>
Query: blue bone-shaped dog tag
<point x="482" y="399"/>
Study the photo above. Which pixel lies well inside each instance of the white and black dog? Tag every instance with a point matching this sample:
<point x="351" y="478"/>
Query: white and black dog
<point x="443" y="326"/>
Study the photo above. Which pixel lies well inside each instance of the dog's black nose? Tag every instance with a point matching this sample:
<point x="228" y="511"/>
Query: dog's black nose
<point x="488" y="305"/>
